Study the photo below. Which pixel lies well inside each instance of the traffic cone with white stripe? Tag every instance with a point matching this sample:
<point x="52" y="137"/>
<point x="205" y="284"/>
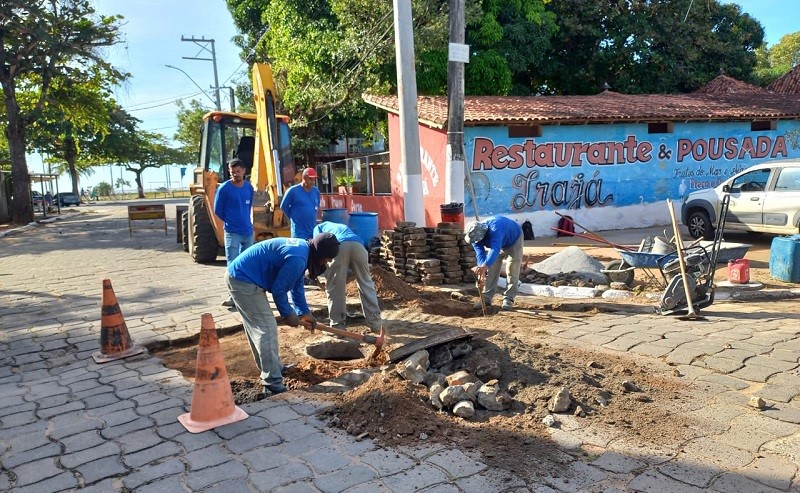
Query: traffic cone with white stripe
<point x="115" y="341"/>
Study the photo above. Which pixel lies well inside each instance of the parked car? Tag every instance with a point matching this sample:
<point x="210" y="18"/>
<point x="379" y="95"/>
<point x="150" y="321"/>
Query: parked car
<point x="765" y="198"/>
<point x="67" y="198"/>
<point x="38" y="200"/>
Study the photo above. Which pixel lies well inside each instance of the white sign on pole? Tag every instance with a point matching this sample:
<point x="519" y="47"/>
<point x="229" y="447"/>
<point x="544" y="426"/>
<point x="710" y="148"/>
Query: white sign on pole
<point x="459" y="52"/>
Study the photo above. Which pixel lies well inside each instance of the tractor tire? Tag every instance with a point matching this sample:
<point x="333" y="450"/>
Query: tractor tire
<point x="203" y="245"/>
<point x="619" y="271"/>
<point x="185" y="230"/>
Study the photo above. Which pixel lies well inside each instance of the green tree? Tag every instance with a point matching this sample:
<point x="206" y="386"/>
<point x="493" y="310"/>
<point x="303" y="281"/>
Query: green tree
<point x="190" y="123"/>
<point x="80" y="113"/>
<point x="103" y="189"/>
<point x="43" y="42"/>
<point x="647" y="46"/>
<point x="326" y="53"/>
<point x="786" y="54"/>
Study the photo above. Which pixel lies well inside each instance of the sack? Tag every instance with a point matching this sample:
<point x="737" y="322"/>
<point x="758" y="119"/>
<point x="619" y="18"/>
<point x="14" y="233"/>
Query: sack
<point x="527" y="231"/>
<point x="566" y="226"/>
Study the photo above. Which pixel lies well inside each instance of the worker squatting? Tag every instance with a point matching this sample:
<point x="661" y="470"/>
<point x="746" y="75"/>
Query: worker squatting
<point x="487" y="156"/>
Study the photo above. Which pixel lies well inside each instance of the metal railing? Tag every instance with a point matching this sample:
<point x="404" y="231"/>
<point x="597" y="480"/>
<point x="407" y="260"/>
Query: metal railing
<point x="369" y="175"/>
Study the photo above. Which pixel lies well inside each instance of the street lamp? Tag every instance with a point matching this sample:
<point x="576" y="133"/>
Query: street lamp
<point x="196" y="85"/>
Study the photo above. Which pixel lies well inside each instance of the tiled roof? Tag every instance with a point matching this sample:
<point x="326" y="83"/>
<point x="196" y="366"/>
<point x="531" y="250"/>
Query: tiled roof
<point x="788" y="83"/>
<point x="722" y="84"/>
<point x="606" y="107"/>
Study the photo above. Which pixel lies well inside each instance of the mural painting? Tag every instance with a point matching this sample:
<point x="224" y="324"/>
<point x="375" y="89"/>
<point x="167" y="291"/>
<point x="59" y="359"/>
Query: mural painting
<point x="584" y="167"/>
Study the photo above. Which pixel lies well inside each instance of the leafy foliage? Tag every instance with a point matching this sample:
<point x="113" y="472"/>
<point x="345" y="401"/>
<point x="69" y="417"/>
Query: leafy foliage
<point x="647" y="46"/>
<point x="190" y="124"/>
<point x="46" y="45"/>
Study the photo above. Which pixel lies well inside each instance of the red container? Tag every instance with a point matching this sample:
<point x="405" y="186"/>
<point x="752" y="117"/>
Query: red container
<point x="739" y="271"/>
<point x="453" y="213"/>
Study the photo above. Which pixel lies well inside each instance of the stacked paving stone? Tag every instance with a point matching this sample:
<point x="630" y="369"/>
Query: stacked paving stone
<point x="468" y="260"/>
<point x="402" y="247"/>
<point x="445" y="240"/>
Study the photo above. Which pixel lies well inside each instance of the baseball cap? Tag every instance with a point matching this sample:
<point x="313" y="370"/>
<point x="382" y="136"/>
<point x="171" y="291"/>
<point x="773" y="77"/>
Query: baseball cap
<point x="309" y="172"/>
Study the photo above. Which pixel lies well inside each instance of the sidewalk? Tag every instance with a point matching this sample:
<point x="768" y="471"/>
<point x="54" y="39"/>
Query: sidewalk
<point x="68" y="423"/>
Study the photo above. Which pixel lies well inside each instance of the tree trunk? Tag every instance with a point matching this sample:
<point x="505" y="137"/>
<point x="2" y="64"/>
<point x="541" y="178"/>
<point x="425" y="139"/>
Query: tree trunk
<point x="15" y="133"/>
<point x="70" y="156"/>
<point x="139" y="187"/>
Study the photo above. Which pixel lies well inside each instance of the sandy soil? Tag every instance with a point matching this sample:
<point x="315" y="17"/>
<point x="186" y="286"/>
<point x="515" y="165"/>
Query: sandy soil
<point x="533" y="367"/>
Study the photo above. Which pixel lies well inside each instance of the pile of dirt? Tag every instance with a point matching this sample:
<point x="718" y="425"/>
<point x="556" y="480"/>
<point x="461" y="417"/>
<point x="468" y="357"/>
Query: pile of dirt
<point x="396" y="412"/>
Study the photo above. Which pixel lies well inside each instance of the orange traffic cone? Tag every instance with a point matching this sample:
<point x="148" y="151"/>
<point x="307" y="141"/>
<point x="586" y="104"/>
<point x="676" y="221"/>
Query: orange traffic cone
<point x="115" y="341"/>
<point x="212" y="397"/>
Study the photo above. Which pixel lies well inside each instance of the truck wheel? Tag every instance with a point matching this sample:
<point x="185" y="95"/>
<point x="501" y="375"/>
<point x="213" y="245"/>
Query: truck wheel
<point x="203" y="245"/>
<point x="185" y="230"/>
<point x="619" y="271"/>
<point x="699" y="225"/>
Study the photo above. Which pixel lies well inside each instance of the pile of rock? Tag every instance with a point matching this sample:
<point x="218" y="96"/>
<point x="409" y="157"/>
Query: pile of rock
<point x="532" y="276"/>
<point x="460" y="391"/>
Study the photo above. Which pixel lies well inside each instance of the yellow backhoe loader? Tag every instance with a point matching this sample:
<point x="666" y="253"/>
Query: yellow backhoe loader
<point x="263" y="142"/>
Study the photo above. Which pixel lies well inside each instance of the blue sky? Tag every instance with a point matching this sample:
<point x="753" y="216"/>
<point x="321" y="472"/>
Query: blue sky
<point x="152" y="32"/>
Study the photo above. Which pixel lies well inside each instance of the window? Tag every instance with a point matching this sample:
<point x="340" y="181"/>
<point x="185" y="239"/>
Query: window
<point x="518" y="131"/>
<point x="788" y="180"/>
<point x="659" y="128"/>
<point x="754" y="181"/>
<point x="763" y="125"/>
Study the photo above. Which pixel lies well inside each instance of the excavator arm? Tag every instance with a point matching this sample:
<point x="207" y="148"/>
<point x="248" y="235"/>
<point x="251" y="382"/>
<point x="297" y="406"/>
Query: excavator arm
<point x="273" y="163"/>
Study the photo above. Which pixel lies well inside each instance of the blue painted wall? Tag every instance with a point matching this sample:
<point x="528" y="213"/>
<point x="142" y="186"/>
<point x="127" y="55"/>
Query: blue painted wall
<point x="583" y="167"/>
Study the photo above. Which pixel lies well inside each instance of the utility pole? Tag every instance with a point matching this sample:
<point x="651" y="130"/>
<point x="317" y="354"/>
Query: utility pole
<point x="230" y="98"/>
<point x="206" y="45"/>
<point x="457" y="56"/>
<point x="407" y="97"/>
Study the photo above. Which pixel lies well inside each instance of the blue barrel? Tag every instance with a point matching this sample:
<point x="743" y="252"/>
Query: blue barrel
<point x="784" y="258"/>
<point x="335" y="215"/>
<point x="365" y="225"/>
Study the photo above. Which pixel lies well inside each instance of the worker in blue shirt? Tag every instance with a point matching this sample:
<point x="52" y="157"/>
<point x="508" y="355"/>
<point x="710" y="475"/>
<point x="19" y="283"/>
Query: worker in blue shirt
<point x="352" y="255"/>
<point x="233" y="204"/>
<point x="495" y="239"/>
<point x="301" y="203"/>
<point x="276" y="266"/>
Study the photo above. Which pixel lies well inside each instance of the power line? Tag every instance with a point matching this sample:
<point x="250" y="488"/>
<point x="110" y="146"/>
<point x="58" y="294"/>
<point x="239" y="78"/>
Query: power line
<point x="165" y="104"/>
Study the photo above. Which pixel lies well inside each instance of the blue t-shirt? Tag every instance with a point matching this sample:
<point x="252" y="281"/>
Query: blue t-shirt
<point x="339" y="230"/>
<point x="233" y="204"/>
<point x="301" y="208"/>
<point x="502" y="233"/>
<point x="276" y="266"/>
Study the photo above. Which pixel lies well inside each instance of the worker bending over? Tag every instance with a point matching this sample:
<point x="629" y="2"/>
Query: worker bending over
<point x="276" y="266"/>
<point x="495" y="239"/>
<point x="352" y="255"/>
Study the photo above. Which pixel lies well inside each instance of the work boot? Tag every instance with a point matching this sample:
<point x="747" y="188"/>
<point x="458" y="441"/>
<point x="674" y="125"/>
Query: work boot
<point x="229" y="302"/>
<point x="479" y="306"/>
<point x="508" y="304"/>
<point x="274" y="389"/>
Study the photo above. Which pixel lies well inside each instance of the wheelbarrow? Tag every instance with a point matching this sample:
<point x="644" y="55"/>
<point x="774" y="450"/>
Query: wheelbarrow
<point x="652" y="250"/>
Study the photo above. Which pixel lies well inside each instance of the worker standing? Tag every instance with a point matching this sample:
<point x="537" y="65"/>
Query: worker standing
<point x="352" y="255"/>
<point x="276" y="266"/>
<point x="495" y="239"/>
<point x="301" y="204"/>
<point x="233" y="204"/>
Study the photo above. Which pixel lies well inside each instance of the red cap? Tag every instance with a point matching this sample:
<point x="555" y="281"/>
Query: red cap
<point x="309" y="172"/>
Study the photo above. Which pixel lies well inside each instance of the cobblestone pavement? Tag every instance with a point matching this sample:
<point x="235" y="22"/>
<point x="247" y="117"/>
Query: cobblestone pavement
<point x="68" y="423"/>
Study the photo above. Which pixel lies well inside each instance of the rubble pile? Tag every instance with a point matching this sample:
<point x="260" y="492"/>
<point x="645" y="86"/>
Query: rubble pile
<point x="532" y="276"/>
<point x="460" y="391"/>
